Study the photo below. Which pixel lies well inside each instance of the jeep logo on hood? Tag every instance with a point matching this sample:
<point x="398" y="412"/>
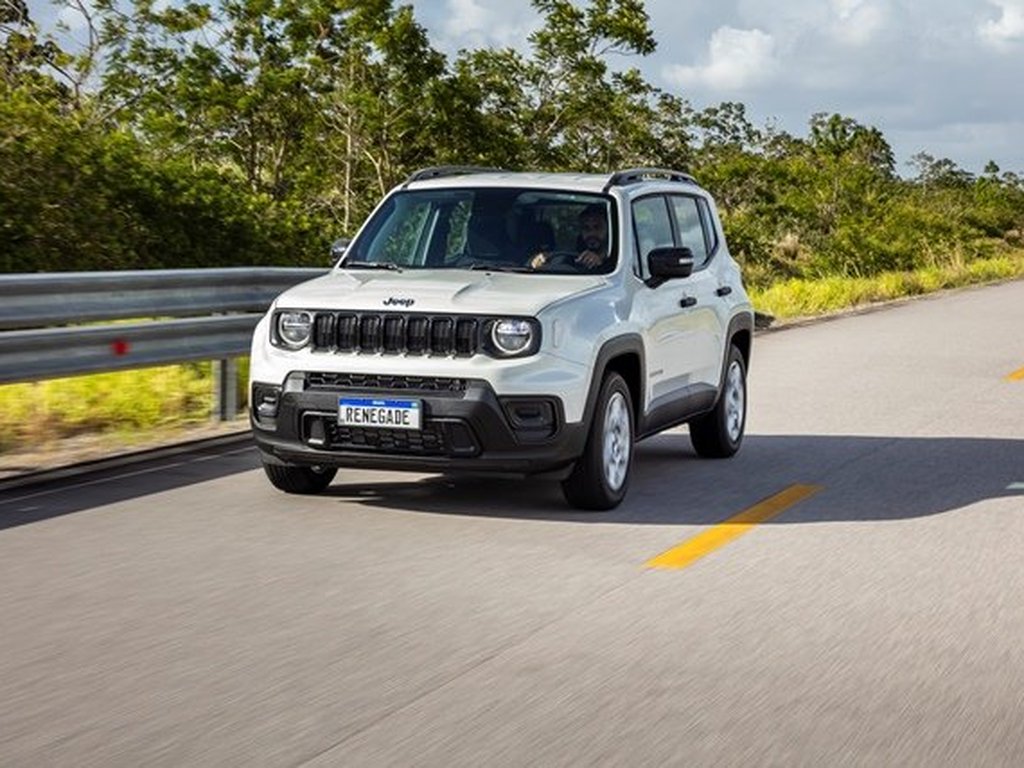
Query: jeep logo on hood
<point x="393" y="301"/>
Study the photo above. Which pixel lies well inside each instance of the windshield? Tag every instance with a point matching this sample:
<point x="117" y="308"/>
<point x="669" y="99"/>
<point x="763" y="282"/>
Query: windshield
<point x="509" y="230"/>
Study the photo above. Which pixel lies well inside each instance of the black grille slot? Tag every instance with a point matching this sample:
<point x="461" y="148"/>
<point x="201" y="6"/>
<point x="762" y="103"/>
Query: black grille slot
<point x="441" y="336"/>
<point x="347" y="332"/>
<point x="368" y="382"/>
<point x="394" y="333"/>
<point x="417" y="332"/>
<point x="370" y="333"/>
<point x="323" y="330"/>
<point x="465" y="336"/>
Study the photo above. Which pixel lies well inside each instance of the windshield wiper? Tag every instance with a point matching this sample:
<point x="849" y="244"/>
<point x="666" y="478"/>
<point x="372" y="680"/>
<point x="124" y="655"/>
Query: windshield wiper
<point x="370" y="265"/>
<point x="499" y="267"/>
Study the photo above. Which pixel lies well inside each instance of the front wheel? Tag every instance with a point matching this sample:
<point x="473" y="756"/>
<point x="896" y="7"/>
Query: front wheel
<point x="301" y="480"/>
<point x="601" y="475"/>
<point x="718" y="434"/>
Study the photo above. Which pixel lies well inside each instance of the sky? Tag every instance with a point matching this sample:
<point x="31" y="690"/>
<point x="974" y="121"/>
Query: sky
<point x="940" y="76"/>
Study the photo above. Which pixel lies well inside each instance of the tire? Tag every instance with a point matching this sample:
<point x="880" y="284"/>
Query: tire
<point x="599" y="482"/>
<point x="301" y="480"/>
<point x="719" y="434"/>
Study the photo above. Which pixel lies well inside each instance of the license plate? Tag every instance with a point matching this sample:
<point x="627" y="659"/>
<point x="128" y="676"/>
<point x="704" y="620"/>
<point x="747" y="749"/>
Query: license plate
<point x="381" y="414"/>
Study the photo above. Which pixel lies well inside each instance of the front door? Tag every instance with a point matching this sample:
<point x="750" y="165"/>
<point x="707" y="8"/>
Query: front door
<point x="666" y="313"/>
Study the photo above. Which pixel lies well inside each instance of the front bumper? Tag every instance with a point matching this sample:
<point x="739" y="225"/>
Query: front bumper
<point x="466" y="428"/>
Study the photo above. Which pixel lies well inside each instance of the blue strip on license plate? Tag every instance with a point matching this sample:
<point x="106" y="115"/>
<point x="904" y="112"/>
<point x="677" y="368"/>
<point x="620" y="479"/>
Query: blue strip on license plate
<point x="379" y="413"/>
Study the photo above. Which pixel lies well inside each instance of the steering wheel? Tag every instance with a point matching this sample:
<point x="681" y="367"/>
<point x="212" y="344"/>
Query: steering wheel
<point x="553" y="258"/>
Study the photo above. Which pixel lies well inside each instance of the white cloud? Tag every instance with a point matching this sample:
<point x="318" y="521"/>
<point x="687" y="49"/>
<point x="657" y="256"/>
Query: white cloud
<point x="737" y="59"/>
<point x="858" y="22"/>
<point x="483" y="23"/>
<point x="466" y="16"/>
<point x="467" y="21"/>
<point x="1008" y="28"/>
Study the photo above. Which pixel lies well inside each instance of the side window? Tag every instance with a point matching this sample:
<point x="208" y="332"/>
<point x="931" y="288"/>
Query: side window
<point x="690" y="228"/>
<point x="651" y="226"/>
<point x="709" y="226"/>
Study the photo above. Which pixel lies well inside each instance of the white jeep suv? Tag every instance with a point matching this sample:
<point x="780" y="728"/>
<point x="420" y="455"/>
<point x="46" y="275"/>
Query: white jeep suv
<point x="510" y="323"/>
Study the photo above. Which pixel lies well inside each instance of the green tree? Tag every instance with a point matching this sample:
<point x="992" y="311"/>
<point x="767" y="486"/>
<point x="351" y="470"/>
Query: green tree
<point x="28" y="58"/>
<point x="563" y="106"/>
<point x="939" y="172"/>
<point x="320" y="100"/>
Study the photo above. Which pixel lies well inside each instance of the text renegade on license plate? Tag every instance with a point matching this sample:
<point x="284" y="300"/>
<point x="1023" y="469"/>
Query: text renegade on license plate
<point x="386" y="414"/>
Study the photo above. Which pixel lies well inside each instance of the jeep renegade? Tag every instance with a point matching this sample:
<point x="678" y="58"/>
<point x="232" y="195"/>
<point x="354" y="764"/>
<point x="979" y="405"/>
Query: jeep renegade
<point x="514" y="323"/>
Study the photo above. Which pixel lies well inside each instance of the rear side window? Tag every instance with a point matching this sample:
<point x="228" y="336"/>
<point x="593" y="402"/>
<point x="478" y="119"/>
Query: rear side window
<point x="709" y="226"/>
<point x="690" y="228"/>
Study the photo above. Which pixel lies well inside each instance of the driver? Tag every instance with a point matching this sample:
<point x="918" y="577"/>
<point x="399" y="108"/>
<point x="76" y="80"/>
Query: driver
<point x="591" y="243"/>
<point x="593" y="239"/>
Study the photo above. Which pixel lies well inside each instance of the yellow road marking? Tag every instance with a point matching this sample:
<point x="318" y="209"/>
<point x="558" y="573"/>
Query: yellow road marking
<point x="1016" y="375"/>
<point x="718" y="536"/>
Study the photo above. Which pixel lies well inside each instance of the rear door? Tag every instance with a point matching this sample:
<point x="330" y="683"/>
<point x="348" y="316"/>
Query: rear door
<point x="707" y="313"/>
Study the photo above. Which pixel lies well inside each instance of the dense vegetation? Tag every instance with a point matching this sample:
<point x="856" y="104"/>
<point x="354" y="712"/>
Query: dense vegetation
<point x="239" y="132"/>
<point x="256" y="131"/>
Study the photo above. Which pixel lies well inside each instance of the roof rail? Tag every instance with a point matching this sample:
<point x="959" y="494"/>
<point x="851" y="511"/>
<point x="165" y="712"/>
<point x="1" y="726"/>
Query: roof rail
<point x="438" y="171"/>
<point x="636" y="175"/>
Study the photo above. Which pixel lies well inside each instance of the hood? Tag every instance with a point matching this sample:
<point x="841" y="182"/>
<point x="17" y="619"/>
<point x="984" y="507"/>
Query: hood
<point x="454" y="291"/>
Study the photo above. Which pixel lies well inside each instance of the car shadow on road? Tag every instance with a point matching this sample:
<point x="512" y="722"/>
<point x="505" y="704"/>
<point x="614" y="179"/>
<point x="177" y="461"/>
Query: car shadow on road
<point x="862" y="478"/>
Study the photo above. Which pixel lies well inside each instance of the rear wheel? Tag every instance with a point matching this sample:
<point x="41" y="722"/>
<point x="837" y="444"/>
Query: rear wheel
<point x="601" y="475"/>
<point x="718" y="434"/>
<point x="302" y="480"/>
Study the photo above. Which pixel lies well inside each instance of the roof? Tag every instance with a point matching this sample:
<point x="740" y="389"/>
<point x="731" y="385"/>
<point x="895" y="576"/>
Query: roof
<point x="598" y="183"/>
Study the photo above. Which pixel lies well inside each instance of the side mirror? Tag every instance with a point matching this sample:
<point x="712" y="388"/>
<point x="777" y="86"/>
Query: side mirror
<point x="338" y="248"/>
<point x="668" y="264"/>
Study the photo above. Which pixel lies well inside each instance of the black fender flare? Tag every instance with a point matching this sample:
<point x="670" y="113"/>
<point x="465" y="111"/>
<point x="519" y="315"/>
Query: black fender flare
<point x="628" y="343"/>
<point x="738" y="323"/>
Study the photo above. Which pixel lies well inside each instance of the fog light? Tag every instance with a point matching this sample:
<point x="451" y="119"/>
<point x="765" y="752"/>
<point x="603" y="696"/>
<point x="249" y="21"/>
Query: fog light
<point x="531" y="419"/>
<point x="461" y="440"/>
<point x="265" y="400"/>
<point x="317" y="434"/>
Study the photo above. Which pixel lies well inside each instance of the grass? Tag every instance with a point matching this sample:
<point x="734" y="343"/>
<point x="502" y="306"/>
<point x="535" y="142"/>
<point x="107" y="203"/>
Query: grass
<point x="810" y="297"/>
<point x="127" y="404"/>
<point x="132" y="405"/>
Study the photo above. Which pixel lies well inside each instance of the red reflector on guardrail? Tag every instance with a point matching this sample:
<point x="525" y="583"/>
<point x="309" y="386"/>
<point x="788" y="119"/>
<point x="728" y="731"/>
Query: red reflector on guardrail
<point x="119" y="347"/>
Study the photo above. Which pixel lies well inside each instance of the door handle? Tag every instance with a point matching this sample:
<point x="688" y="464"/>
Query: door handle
<point x="687" y="301"/>
<point x="725" y="290"/>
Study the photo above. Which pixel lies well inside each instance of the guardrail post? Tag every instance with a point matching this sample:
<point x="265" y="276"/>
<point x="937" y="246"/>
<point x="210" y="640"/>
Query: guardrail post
<point x="225" y="389"/>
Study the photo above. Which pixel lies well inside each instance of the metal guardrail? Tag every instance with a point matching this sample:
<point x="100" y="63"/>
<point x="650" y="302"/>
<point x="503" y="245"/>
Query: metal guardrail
<point x="50" y="323"/>
<point x="48" y="353"/>
<point x="56" y="298"/>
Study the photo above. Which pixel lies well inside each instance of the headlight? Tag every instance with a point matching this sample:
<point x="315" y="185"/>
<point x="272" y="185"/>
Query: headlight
<point x="512" y="337"/>
<point x="294" y="329"/>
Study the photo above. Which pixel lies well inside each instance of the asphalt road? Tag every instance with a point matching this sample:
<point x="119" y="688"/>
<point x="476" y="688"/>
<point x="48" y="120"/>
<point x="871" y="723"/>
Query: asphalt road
<point x="182" y="612"/>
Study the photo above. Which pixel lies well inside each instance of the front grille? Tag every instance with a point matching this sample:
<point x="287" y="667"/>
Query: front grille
<point x="408" y="334"/>
<point x="453" y="438"/>
<point x="426" y="442"/>
<point x="323" y="431"/>
<point x="368" y="382"/>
